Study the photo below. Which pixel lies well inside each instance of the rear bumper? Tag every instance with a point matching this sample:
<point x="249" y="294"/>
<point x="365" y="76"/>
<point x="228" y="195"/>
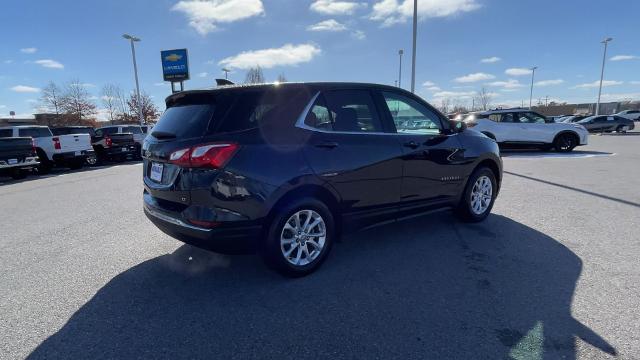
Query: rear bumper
<point x="120" y="150"/>
<point x="227" y="238"/>
<point x="26" y="164"/>
<point x="72" y="156"/>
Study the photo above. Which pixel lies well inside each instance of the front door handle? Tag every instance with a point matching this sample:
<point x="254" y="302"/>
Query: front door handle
<point x="327" y="145"/>
<point x="411" y="145"/>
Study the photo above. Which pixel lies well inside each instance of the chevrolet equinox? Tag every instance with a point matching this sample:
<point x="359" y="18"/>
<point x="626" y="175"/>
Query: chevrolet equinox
<point x="284" y="169"/>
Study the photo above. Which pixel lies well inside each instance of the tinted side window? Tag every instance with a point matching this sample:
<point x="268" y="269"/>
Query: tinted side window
<point x="6" y="133"/>
<point x="132" y="129"/>
<point x="494" y="117"/>
<point x="531" y="118"/>
<point x="110" y="131"/>
<point x="508" y="118"/>
<point x="35" y="132"/>
<point x="319" y="117"/>
<point x="353" y="111"/>
<point x="409" y="116"/>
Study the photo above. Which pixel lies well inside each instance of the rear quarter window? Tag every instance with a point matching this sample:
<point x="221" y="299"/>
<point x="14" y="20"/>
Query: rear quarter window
<point x="35" y="132"/>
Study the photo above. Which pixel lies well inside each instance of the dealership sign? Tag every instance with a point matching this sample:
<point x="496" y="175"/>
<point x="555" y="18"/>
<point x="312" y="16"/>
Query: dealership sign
<point x="175" y="65"/>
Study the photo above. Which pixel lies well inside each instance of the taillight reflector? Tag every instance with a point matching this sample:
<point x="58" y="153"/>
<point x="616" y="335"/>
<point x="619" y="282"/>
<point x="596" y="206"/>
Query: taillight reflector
<point x="108" y="141"/>
<point x="206" y="155"/>
<point x="56" y="143"/>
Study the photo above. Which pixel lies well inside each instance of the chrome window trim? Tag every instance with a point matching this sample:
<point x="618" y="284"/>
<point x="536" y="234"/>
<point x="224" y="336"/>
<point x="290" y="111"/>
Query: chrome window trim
<point x="301" y="125"/>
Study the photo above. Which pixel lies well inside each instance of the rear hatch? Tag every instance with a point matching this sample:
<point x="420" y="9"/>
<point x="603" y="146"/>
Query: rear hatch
<point x="73" y="143"/>
<point x="208" y="125"/>
<point x="15" y="150"/>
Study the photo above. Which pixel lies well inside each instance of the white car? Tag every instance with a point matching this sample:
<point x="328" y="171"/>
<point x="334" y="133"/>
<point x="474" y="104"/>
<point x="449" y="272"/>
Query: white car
<point x="630" y="114"/>
<point x="64" y="150"/>
<point x="522" y="127"/>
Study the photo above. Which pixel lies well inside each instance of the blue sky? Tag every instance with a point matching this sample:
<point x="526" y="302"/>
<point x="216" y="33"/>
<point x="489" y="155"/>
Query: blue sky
<point x="326" y="40"/>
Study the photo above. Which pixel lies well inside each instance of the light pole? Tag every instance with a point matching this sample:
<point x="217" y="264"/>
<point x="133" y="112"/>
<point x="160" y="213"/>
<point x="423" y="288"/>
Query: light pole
<point x="226" y="73"/>
<point x="604" y="58"/>
<point x="413" y="56"/>
<point x="133" y="39"/>
<point x="400" y="52"/>
<point x="533" y="74"/>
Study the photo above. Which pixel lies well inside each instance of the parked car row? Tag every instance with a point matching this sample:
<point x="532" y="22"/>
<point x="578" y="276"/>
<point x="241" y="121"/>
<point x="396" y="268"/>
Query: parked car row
<point x="26" y="148"/>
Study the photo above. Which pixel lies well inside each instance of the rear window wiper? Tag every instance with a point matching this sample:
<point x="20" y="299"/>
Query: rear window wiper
<point x="163" y="135"/>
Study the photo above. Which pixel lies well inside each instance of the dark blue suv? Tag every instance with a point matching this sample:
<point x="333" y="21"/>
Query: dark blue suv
<point x="284" y="169"/>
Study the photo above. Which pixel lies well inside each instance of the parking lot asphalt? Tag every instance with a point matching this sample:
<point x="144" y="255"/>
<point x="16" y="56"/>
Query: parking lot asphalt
<point x="554" y="272"/>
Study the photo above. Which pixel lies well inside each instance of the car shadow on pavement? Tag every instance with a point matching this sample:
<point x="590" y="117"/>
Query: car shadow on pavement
<point x="425" y="288"/>
<point x="58" y="171"/>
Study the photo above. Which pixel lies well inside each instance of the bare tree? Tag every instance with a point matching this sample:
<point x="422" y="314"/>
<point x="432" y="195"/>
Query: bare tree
<point x="484" y="98"/>
<point x="51" y="99"/>
<point x="77" y="100"/>
<point x="282" y="78"/>
<point x="110" y="93"/>
<point x="445" y="103"/>
<point x="149" y="109"/>
<point x="254" y="76"/>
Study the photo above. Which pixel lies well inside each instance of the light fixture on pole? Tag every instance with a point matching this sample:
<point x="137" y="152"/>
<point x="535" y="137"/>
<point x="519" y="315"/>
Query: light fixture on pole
<point x="413" y="56"/>
<point x="133" y="39"/>
<point x="400" y="53"/>
<point x="226" y="73"/>
<point x="604" y="58"/>
<point x="533" y="74"/>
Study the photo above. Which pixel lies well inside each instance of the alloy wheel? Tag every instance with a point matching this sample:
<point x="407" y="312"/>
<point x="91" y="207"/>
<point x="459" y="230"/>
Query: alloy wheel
<point x="481" y="195"/>
<point x="303" y="237"/>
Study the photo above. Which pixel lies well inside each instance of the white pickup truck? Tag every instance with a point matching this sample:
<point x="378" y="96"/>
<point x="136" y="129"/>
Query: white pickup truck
<point x="62" y="150"/>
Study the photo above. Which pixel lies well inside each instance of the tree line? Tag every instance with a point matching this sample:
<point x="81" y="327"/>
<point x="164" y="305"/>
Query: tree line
<point x="73" y="104"/>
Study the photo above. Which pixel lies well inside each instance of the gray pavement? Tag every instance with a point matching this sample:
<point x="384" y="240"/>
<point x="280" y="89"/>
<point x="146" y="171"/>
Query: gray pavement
<point x="553" y="273"/>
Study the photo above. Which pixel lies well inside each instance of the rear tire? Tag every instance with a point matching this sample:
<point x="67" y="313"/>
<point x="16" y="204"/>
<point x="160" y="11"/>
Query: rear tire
<point x="565" y="142"/>
<point x="478" y="197"/>
<point x="290" y="247"/>
<point x="620" y="129"/>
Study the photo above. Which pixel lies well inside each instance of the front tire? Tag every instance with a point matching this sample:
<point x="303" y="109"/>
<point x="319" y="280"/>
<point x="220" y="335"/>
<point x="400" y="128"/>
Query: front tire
<point x="565" y="143"/>
<point x="479" y="196"/>
<point x="299" y="238"/>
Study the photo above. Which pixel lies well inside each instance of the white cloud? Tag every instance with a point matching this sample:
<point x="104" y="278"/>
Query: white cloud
<point x="509" y="84"/>
<point x="490" y="60"/>
<point x="455" y="94"/>
<point x="635" y="82"/>
<point x="25" y="89"/>
<point x="161" y="84"/>
<point x="549" y="82"/>
<point x="391" y="12"/>
<point x="596" y="84"/>
<point x="3" y="106"/>
<point x="434" y="88"/>
<point x="335" y="7"/>
<point x="518" y="71"/>
<point x="205" y="15"/>
<point x="203" y="74"/>
<point x="48" y="63"/>
<point x="474" y="77"/>
<point x="288" y="54"/>
<point x="29" y="50"/>
<point x="327" y="25"/>
<point x="358" y="35"/>
<point x="8" y="61"/>
<point x="428" y="83"/>
<point x="624" y="57"/>
<point x="88" y="85"/>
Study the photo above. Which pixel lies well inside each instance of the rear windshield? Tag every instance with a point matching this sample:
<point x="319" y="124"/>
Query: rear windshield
<point x="229" y="111"/>
<point x="184" y="121"/>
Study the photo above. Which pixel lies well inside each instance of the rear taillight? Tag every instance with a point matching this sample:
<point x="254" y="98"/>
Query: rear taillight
<point x="205" y="155"/>
<point x="33" y="147"/>
<point x="471" y="123"/>
<point x="56" y="143"/>
<point x="108" y="141"/>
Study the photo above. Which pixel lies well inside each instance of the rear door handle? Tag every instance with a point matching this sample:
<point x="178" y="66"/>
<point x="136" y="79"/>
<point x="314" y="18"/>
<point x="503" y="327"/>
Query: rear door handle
<point x="411" y="145"/>
<point x="327" y="145"/>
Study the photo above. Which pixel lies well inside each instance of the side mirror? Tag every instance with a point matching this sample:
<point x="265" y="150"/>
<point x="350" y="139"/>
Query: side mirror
<point x="458" y="126"/>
